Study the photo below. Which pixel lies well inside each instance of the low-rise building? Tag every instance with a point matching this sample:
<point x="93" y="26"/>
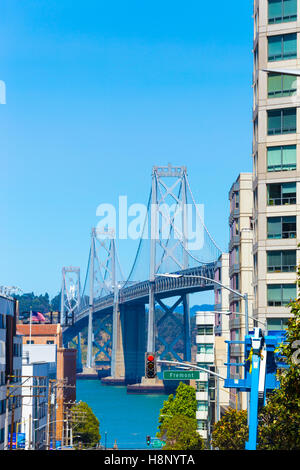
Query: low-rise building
<point x="10" y="370"/>
<point x="35" y="403"/>
<point x="44" y="342"/>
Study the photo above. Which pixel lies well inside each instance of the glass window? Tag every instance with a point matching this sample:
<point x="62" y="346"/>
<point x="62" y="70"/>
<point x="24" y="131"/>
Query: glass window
<point x="280" y="85"/>
<point x="276" y="324"/>
<point x="281" y="194"/>
<point x="282" y="47"/>
<point x="282" y="121"/>
<point x="282" y="158"/>
<point x="282" y="11"/>
<point x="202" y="386"/>
<point x="203" y="348"/>
<point x="281" y="227"/>
<point x="202" y="425"/>
<point x="280" y="294"/>
<point x="281" y="261"/>
<point x="202" y="406"/>
<point x="205" y="330"/>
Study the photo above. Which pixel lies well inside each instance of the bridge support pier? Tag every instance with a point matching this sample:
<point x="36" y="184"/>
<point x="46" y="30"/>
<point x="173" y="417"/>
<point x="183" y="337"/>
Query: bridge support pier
<point x="187" y="328"/>
<point x="79" y="356"/>
<point x="128" y="354"/>
<point x="151" y="321"/>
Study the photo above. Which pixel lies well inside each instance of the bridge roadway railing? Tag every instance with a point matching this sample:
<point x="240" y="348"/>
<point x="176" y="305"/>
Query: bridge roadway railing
<point x="163" y="287"/>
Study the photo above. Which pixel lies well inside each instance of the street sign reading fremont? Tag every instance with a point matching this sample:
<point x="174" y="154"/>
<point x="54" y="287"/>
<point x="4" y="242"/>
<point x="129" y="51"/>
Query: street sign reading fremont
<point x="181" y="375"/>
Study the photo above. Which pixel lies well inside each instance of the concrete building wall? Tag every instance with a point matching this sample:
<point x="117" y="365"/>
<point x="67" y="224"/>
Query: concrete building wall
<point x="41" y="333"/>
<point x="66" y="385"/>
<point x="240" y="271"/>
<point x="34" y="408"/>
<point x="222" y="296"/>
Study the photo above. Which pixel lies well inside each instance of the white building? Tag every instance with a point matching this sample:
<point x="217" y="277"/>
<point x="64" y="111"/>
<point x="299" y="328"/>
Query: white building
<point x="34" y="403"/>
<point x="205" y="340"/>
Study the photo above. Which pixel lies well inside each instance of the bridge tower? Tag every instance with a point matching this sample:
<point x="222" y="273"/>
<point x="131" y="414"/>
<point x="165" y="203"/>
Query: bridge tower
<point x="70" y="294"/>
<point x="168" y="246"/>
<point x="102" y="278"/>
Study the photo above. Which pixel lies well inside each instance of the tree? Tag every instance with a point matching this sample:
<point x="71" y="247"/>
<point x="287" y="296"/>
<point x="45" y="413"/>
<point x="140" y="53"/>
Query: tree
<point x="85" y="426"/>
<point x="180" y="433"/>
<point x="55" y="303"/>
<point x="177" y="420"/>
<point x="231" y="431"/>
<point x="280" y="418"/>
<point x="184" y="403"/>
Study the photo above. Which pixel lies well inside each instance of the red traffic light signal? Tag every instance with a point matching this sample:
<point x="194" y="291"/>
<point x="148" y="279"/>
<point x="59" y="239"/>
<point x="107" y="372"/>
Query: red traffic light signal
<point x="150" y="366"/>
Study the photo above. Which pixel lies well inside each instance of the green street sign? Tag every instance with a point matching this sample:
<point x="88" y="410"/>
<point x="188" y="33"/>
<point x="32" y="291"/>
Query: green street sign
<point x="181" y="375"/>
<point x="157" y="444"/>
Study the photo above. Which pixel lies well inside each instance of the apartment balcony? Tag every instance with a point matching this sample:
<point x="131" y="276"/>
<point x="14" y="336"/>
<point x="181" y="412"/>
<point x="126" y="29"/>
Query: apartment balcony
<point x="236" y="350"/>
<point x="218" y="330"/>
<point x="234" y="297"/>
<point x="234" y="269"/>
<point x="234" y="241"/>
<point x="235" y="324"/>
<point x="234" y="214"/>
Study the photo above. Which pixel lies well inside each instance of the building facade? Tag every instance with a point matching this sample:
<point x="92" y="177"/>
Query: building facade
<point x="240" y="273"/>
<point x="35" y="403"/>
<point x="10" y="370"/>
<point x="42" y="333"/>
<point x="44" y="342"/>
<point x="276" y="158"/>
<point x="221" y="275"/>
<point x="205" y="341"/>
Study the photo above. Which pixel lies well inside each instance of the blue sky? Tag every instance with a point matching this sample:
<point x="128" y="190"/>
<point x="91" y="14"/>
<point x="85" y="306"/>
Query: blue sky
<point x="97" y="93"/>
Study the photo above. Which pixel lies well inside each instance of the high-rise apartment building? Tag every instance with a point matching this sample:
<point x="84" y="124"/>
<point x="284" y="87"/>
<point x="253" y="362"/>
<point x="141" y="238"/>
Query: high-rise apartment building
<point x="276" y="158"/>
<point x="240" y="272"/>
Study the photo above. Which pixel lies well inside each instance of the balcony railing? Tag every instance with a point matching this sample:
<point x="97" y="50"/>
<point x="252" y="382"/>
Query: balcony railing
<point x="282" y="19"/>
<point x="282" y="269"/>
<point x="285" y="56"/>
<point x="282" y="167"/>
<point x="282" y="201"/>
<point x="283" y="130"/>
<point x="287" y="234"/>
<point x="281" y="93"/>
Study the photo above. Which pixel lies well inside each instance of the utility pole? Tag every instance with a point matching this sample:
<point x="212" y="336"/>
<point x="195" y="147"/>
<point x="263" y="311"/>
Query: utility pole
<point x="6" y="415"/>
<point x="12" y="426"/>
<point x="29" y="434"/>
<point x="48" y="417"/>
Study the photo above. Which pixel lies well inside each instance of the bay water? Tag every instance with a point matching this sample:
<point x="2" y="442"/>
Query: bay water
<point x="124" y="418"/>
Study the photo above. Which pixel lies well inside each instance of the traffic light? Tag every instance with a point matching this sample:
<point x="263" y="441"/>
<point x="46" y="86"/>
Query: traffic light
<point x="148" y="440"/>
<point x="150" y="365"/>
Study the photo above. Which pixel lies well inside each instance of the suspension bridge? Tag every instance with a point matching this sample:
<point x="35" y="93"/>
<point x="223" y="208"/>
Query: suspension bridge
<point x="173" y="240"/>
